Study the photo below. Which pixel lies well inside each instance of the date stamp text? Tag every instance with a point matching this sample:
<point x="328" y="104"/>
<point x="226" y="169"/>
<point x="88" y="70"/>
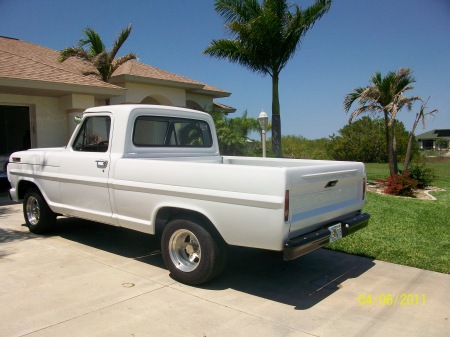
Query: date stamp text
<point x="392" y="299"/>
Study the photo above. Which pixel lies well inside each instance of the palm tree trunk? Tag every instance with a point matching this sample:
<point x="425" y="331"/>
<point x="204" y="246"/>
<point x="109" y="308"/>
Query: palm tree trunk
<point x="388" y="143"/>
<point x="276" y="120"/>
<point x="394" y="148"/>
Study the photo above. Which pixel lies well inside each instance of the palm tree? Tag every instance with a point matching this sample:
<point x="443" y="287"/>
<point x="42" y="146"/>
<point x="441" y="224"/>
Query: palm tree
<point x="385" y="95"/>
<point x="267" y="35"/>
<point x="232" y="133"/>
<point x="92" y="50"/>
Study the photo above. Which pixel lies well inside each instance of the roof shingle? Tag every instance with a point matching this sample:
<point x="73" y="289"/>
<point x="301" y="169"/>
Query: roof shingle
<point x="28" y="61"/>
<point x="145" y="71"/>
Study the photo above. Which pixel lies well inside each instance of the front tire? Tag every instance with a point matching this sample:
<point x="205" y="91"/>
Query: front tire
<point x="38" y="216"/>
<point x="193" y="253"/>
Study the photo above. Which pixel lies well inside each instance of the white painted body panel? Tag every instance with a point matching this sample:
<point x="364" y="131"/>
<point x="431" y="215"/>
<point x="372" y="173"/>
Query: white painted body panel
<point x="244" y="198"/>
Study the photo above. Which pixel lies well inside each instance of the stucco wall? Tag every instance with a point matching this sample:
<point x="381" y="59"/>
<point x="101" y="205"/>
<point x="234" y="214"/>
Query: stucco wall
<point x="51" y="118"/>
<point x="205" y="102"/>
<point x="136" y="93"/>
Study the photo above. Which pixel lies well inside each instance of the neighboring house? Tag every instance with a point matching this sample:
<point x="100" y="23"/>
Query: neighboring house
<point x="434" y="139"/>
<point x="39" y="96"/>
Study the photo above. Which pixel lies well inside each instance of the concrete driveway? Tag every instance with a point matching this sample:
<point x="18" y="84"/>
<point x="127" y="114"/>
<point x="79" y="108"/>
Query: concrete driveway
<point x="89" y="279"/>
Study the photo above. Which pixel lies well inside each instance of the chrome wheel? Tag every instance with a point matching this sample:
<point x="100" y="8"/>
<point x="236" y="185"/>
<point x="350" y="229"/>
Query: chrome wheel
<point x="192" y="250"/>
<point x="32" y="210"/>
<point x="38" y="216"/>
<point x="184" y="250"/>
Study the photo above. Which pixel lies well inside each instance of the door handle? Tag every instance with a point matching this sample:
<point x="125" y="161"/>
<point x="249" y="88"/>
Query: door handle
<point x="101" y="163"/>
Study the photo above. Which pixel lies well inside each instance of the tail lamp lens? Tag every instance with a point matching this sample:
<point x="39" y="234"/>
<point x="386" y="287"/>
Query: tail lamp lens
<point x="286" y="206"/>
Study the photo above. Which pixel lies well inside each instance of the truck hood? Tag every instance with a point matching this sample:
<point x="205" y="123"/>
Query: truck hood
<point x="41" y="156"/>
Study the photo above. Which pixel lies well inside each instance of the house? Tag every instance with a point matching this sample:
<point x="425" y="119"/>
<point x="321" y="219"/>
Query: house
<point x="39" y="96"/>
<point x="434" y="139"/>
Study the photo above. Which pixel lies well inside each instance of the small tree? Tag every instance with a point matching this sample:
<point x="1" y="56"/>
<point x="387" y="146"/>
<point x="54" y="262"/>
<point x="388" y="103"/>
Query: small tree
<point x="420" y="116"/>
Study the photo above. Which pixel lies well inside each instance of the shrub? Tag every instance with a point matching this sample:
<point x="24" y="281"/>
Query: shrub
<point x="300" y="147"/>
<point x="423" y="174"/>
<point x="365" y="140"/>
<point x="400" y="184"/>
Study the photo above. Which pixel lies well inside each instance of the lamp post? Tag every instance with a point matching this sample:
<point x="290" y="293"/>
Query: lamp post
<point x="263" y="120"/>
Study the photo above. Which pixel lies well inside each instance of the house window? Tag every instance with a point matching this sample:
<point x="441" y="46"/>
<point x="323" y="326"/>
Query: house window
<point x="441" y="144"/>
<point x="427" y="144"/>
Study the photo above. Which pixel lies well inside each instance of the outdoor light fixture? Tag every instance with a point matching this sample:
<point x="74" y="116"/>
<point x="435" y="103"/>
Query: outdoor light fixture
<point x="263" y="120"/>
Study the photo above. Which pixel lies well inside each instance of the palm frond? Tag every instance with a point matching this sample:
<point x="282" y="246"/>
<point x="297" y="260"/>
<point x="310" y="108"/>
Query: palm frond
<point x="117" y="62"/>
<point x="92" y="73"/>
<point x="314" y="12"/>
<point x="96" y="45"/>
<point x="238" y="10"/>
<point x="352" y="97"/>
<point x="235" y="52"/>
<point x="76" y="52"/>
<point x="121" y="38"/>
<point x="373" y="108"/>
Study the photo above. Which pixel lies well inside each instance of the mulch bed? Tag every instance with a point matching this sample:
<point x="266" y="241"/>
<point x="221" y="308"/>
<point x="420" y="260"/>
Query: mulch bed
<point x="423" y="194"/>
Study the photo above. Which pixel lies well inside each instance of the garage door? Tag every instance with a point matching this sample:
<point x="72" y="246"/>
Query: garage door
<point x="14" y="131"/>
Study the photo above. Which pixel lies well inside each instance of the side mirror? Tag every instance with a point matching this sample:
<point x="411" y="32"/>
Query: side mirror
<point x="78" y="119"/>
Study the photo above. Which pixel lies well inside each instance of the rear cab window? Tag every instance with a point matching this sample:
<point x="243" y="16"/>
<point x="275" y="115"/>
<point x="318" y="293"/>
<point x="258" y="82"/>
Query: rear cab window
<point x="154" y="131"/>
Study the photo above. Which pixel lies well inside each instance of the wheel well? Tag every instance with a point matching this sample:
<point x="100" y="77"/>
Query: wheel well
<point x="24" y="185"/>
<point x="167" y="214"/>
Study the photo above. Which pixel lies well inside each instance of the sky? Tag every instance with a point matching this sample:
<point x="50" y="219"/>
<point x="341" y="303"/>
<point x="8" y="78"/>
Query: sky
<point x="355" y="39"/>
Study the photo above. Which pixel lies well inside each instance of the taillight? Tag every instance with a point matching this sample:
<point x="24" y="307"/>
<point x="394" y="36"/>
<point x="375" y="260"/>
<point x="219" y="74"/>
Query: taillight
<point x="364" y="189"/>
<point x="286" y="206"/>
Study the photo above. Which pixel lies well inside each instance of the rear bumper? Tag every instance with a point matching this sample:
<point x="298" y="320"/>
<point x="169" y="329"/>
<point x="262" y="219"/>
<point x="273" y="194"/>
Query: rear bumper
<point x="303" y="244"/>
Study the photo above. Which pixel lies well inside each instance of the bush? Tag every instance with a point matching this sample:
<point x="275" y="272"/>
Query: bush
<point x="423" y="174"/>
<point x="300" y="147"/>
<point x="400" y="184"/>
<point x="232" y="133"/>
<point x="365" y="140"/>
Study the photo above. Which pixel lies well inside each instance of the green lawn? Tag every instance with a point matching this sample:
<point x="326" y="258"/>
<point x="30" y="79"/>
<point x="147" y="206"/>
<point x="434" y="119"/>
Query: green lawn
<point x="406" y="231"/>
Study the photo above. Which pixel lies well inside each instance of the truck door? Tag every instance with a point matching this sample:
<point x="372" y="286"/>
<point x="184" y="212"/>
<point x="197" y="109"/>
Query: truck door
<point x="84" y="170"/>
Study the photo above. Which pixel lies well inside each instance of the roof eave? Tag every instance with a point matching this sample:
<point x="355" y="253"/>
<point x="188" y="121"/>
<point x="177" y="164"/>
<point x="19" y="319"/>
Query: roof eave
<point x="147" y="80"/>
<point x="58" y="89"/>
<point x="198" y="88"/>
<point x="214" y="93"/>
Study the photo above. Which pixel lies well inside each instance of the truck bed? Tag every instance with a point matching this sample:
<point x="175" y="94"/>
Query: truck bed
<point x="244" y="195"/>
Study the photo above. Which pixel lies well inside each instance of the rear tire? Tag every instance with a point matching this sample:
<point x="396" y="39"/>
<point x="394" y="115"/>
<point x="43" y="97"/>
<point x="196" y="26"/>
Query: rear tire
<point x="193" y="253"/>
<point x="38" y="216"/>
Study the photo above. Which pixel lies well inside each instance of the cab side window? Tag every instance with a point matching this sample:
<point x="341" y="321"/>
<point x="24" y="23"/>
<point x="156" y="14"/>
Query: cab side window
<point x="93" y="135"/>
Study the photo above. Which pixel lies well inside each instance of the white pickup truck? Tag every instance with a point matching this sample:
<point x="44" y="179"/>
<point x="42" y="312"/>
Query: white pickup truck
<point x="158" y="170"/>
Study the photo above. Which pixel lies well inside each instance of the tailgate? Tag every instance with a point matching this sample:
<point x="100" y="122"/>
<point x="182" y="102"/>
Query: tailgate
<point x="325" y="194"/>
